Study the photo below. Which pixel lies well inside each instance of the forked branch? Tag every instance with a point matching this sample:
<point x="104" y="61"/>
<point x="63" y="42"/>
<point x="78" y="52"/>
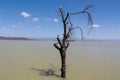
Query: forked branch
<point x="59" y="41"/>
<point x="73" y="28"/>
<point x="85" y="11"/>
<point x="56" y="46"/>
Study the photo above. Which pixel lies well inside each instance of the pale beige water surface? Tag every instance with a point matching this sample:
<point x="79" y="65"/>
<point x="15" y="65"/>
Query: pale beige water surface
<point x="31" y="60"/>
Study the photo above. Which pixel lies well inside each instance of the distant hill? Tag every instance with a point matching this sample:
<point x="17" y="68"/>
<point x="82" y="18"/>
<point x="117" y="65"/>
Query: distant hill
<point x="14" y="38"/>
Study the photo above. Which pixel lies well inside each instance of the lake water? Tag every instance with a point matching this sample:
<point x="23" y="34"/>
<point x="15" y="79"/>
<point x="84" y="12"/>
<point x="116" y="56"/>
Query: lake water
<point x="32" y="60"/>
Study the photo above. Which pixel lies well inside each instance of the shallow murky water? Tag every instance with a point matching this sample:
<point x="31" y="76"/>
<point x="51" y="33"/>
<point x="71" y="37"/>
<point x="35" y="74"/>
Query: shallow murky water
<point x="37" y="60"/>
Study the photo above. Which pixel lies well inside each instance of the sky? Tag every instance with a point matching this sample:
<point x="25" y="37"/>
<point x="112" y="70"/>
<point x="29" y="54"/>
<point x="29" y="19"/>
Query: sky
<point x="41" y="18"/>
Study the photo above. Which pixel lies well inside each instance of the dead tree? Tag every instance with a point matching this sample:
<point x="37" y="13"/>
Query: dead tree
<point x="63" y="44"/>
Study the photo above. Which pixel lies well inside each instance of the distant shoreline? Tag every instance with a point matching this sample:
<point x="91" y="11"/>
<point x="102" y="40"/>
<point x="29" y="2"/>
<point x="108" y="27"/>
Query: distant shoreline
<point x="14" y="38"/>
<point x="54" y="39"/>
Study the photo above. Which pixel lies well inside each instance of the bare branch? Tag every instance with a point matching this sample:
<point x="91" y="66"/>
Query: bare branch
<point x="71" y="25"/>
<point x="89" y="6"/>
<point x="62" y="13"/>
<point x="59" y="41"/>
<point x="82" y="36"/>
<point x="64" y="26"/>
<point x="56" y="46"/>
<point x="90" y="21"/>
<point x="67" y="45"/>
<point x="70" y="30"/>
<point x="67" y="17"/>
<point x="85" y="11"/>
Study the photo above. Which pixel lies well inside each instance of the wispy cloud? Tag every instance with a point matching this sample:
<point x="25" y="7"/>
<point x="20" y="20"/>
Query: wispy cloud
<point x="36" y="19"/>
<point x="19" y="25"/>
<point x="52" y="20"/>
<point x="95" y="26"/>
<point x="36" y="28"/>
<point x="55" y="20"/>
<point x="25" y="14"/>
<point x="4" y="29"/>
<point x="13" y="26"/>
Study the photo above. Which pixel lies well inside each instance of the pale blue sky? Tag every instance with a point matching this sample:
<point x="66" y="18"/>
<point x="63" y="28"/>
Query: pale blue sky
<point x="40" y="18"/>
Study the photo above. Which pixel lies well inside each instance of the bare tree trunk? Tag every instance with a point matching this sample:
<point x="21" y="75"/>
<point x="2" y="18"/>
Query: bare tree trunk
<point x="63" y="62"/>
<point x="63" y="44"/>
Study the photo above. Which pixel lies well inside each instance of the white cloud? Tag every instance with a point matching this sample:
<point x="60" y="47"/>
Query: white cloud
<point x="55" y="20"/>
<point x="52" y="20"/>
<point x="25" y="14"/>
<point x="95" y="26"/>
<point x="18" y="25"/>
<point x="36" y="19"/>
